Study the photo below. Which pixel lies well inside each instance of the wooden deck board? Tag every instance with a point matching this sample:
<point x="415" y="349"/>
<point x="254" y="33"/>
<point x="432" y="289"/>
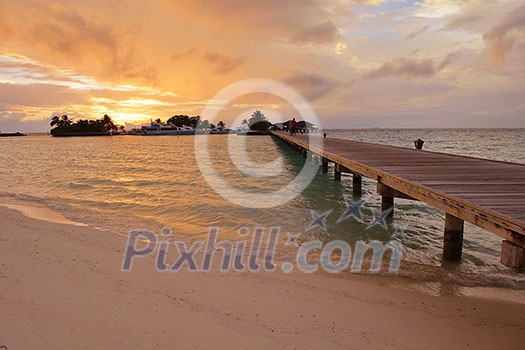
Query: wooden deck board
<point x="487" y="193"/>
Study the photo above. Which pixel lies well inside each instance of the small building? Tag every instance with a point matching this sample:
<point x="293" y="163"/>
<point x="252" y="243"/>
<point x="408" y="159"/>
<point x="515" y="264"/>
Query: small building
<point x="303" y="126"/>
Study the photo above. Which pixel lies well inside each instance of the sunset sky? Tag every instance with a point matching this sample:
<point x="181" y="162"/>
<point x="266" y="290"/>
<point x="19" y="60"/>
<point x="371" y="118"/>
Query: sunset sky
<point x="390" y="63"/>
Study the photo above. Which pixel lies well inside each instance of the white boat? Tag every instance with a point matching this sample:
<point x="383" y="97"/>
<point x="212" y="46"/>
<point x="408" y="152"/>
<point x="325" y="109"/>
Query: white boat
<point x="220" y="131"/>
<point x="166" y="129"/>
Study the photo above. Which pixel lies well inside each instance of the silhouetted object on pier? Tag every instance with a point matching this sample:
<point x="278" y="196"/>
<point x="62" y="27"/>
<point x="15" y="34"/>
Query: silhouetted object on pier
<point x="418" y="144"/>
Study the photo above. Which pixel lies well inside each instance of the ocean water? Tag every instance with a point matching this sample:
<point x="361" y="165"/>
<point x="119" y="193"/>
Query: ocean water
<point x="134" y="182"/>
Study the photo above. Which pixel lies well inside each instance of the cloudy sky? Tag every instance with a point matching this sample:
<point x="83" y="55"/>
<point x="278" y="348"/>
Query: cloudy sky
<point x="359" y="63"/>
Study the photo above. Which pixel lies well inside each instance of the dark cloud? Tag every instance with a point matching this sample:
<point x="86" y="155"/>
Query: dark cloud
<point x="463" y="22"/>
<point x="312" y="85"/>
<point x="404" y="67"/>
<point x="417" y="32"/>
<point x="223" y="63"/>
<point x="17" y="121"/>
<point x="321" y="33"/>
<point x="501" y="37"/>
<point x="177" y="56"/>
<point x="412" y="67"/>
<point x="36" y="95"/>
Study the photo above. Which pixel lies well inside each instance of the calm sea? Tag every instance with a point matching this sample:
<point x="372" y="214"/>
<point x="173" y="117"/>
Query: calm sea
<point x="130" y="182"/>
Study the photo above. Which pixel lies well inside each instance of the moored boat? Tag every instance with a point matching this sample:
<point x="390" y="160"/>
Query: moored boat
<point x="166" y="129"/>
<point x="220" y="131"/>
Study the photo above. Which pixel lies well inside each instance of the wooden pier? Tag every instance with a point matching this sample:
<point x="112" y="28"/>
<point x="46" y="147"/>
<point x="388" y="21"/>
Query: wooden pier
<point x="489" y="194"/>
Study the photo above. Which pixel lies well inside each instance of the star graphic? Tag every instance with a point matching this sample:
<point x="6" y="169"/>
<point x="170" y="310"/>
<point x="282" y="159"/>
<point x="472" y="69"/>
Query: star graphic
<point x="318" y="220"/>
<point x="379" y="218"/>
<point x="400" y="231"/>
<point x="353" y="209"/>
<point x="292" y="239"/>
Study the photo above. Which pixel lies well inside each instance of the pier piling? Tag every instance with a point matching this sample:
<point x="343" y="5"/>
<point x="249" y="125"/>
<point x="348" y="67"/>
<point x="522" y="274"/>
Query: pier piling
<point x="387" y="203"/>
<point x="337" y="174"/>
<point x="512" y="255"/>
<point x="325" y="165"/>
<point x="357" y="185"/>
<point x="453" y="239"/>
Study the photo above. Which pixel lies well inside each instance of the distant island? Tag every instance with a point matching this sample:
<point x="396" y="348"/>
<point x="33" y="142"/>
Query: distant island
<point x="63" y="126"/>
<point x="10" y="134"/>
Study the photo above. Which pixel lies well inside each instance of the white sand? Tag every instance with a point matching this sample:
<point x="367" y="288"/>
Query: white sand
<point x="61" y="287"/>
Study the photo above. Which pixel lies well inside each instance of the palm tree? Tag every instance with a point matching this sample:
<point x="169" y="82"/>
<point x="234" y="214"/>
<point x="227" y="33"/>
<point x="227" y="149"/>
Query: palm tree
<point x="257" y="116"/>
<point x="107" y="123"/>
<point x="221" y="125"/>
<point x="60" y="122"/>
<point x="65" y="120"/>
<point x="54" y="121"/>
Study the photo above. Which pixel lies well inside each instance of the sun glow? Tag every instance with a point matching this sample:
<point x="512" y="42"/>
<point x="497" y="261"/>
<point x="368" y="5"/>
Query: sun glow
<point x="132" y="118"/>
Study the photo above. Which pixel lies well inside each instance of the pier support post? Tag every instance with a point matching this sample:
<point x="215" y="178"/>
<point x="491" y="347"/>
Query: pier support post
<point x="325" y="165"/>
<point x="387" y="203"/>
<point x="453" y="240"/>
<point x="337" y="173"/>
<point x="356" y="185"/>
<point x="512" y="256"/>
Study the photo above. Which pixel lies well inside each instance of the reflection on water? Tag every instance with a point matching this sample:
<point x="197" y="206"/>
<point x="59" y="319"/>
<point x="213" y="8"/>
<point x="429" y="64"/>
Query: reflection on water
<point x="122" y="183"/>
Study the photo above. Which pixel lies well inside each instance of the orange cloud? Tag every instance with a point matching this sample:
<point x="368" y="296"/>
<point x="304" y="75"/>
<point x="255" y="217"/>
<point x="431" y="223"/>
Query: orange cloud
<point x="74" y="39"/>
<point x="295" y="21"/>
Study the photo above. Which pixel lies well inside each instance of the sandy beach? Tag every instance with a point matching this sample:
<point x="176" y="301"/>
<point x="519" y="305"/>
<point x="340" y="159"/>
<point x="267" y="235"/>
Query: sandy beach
<point x="62" y="288"/>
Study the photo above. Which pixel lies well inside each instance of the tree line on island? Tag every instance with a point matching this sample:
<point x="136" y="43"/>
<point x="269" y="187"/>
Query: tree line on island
<point x="64" y="126"/>
<point x="195" y="122"/>
<point x="258" y="121"/>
